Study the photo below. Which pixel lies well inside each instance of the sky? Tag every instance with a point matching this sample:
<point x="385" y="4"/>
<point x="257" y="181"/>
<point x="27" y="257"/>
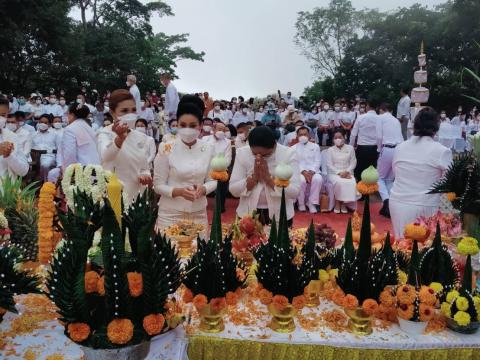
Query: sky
<point x="248" y="44"/>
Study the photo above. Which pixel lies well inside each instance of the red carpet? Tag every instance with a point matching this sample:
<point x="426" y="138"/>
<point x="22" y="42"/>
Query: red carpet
<point x="338" y="222"/>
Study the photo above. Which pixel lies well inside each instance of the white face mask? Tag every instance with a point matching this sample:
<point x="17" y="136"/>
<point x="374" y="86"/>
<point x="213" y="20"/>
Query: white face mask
<point x="38" y="101"/>
<point x="217" y="107"/>
<point x="443" y="116"/>
<point x="11" y="126"/>
<point x="129" y="119"/>
<point x="242" y="136"/>
<point x="142" y="129"/>
<point x="339" y="142"/>
<point x="62" y="102"/>
<point x="228" y="135"/>
<point x="303" y="139"/>
<point x="207" y="129"/>
<point x="245" y="110"/>
<point x="220" y="135"/>
<point x="3" y="121"/>
<point x="57" y="125"/>
<point x="326" y="107"/>
<point x="42" y="127"/>
<point x="344" y="109"/>
<point x="188" y="135"/>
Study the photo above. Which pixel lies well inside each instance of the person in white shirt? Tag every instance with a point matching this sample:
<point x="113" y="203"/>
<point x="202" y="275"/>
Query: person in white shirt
<point x="171" y="97"/>
<point x="309" y="160"/>
<point x="63" y="105"/>
<point x="171" y="134"/>
<point x="142" y="126"/>
<point x="259" y="113"/>
<point x="182" y="169"/>
<point x="52" y="107"/>
<point x="82" y="100"/>
<point x="12" y="160"/>
<point x="444" y="117"/>
<point x="289" y="99"/>
<point x="364" y="137"/>
<point x="389" y="135"/>
<point x="207" y="128"/>
<point x="403" y="111"/>
<point x="347" y="119"/>
<point x="417" y="164"/>
<point x="133" y="89"/>
<point x="341" y="162"/>
<point x="122" y="148"/>
<point x="458" y="118"/>
<point x="20" y="115"/>
<point x="241" y="140"/>
<point x="78" y="141"/>
<point x="221" y="145"/>
<point x="57" y="129"/>
<point x="241" y="115"/>
<point x="46" y="142"/>
<point x="252" y="180"/>
<point x="217" y="113"/>
<point x="23" y="105"/>
<point x="147" y="113"/>
<point x="24" y="138"/>
<point x="337" y="115"/>
<point x="37" y="108"/>
<point x="473" y="125"/>
<point x="325" y="125"/>
<point x="291" y="138"/>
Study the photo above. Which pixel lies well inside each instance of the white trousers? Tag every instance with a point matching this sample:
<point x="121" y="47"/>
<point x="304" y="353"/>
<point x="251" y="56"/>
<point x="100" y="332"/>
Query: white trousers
<point x="403" y="214"/>
<point x="385" y="172"/>
<point x="47" y="162"/>
<point x="313" y="190"/>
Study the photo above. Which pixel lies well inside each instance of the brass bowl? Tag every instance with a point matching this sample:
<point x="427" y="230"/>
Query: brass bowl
<point x="359" y="322"/>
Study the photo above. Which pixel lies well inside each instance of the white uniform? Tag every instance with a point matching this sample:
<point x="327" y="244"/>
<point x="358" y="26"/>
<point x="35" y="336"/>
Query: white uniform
<point x="79" y="145"/>
<point x="223" y="146"/>
<point x="16" y="164"/>
<point x="169" y="137"/>
<point x="340" y="160"/>
<point x="54" y="109"/>
<point x="45" y="141"/>
<point x="24" y="141"/>
<point x="212" y="114"/>
<point x="309" y="159"/>
<point x="417" y="164"/>
<point x="135" y="91"/>
<point x="262" y="196"/>
<point x="171" y="101"/>
<point x="239" y="143"/>
<point x="129" y="162"/>
<point x="54" y="173"/>
<point x="389" y="135"/>
<point x="178" y="166"/>
<point x="403" y="112"/>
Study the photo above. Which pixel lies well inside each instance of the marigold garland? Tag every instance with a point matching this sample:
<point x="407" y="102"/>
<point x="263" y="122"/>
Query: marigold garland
<point x="281" y="183"/>
<point x="135" y="284"/>
<point x="200" y="301"/>
<point x="91" y="282"/>
<point x="46" y="212"/>
<point x="78" y="332"/>
<point x="219" y="175"/>
<point x="367" y="189"/>
<point x="153" y="324"/>
<point x="120" y="331"/>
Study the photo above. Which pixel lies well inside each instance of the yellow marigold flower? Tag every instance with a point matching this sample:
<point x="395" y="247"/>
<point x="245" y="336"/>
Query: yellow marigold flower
<point x="468" y="246"/>
<point x="461" y="303"/>
<point x="451" y="196"/>
<point x="323" y="275"/>
<point x="476" y="301"/>
<point x="333" y="273"/>
<point x="437" y="287"/>
<point x="462" y="318"/>
<point x="446" y="309"/>
<point x="452" y="295"/>
<point x="402" y="277"/>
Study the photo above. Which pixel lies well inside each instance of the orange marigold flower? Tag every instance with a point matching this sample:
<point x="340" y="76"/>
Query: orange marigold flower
<point x="239" y="292"/>
<point x="135" y="283"/>
<point x="387" y="298"/>
<point x="369" y="306"/>
<point x="200" y="301"/>
<point x="187" y="295"/>
<point x="231" y="298"/>
<point x="405" y="311"/>
<point x="265" y="296"/>
<point x="219" y="175"/>
<point x="91" y="281"/>
<point x="218" y="304"/>
<point x="426" y="312"/>
<point x="120" y="331"/>
<point x="415" y="232"/>
<point x="338" y="297"/>
<point x="298" y="302"/>
<point x="366" y="189"/>
<point x="350" y="302"/>
<point x="153" y="324"/>
<point x="78" y="332"/>
<point x="451" y="196"/>
<point x="280" y="302"/>
<point x="240" y="274"/>
<point x="101" y="286"/>
<point x="406" y="294"/>
<point x="427" y="295"/>
<point x="281" y="183"/>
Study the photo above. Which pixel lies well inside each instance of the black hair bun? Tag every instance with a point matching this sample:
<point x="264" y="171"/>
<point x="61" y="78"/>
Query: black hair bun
<point x="192" y="105"/>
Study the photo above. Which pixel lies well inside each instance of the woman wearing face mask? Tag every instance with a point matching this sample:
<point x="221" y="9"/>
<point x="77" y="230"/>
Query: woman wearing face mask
<point x="217" y="113"/>
<point x="241" y="140"/>
<point x="146" y="112"/>
<point x="252" y="176"/>
<point x="182" y="167"/>
<point x="141" y="126"/>
<point x="45" y="142"/>
<point x="341" y="162"/>
<point x="171" y="134"/>
<point x="123" y="149"/>
<point x="207" y="128"/>
<point x="57" y="129"/>
<point x="37" y="108"/>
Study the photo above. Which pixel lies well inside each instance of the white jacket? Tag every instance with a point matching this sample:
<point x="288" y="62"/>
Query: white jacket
<point x="243" y="168"/>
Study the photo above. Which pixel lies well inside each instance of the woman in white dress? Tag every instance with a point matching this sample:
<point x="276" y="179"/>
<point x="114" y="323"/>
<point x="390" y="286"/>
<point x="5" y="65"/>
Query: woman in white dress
<point x="181" y="169"/>
<point x="123" y="149"/>
<point x="142" y="126"/>
<point x="417" y="164"/>
<point x="341" y="162"/>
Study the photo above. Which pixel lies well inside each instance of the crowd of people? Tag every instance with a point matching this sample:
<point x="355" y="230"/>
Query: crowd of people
<point x="167" y="142"/>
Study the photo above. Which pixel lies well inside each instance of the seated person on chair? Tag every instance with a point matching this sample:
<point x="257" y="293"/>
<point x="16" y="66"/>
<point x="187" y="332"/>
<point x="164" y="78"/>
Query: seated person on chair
<point x="45" y="141"/>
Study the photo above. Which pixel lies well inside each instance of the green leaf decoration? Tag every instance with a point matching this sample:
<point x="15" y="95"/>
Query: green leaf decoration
<point x="216" y="228"/>
<point x="467" y="275"/>
<point x="348" y="247"/>
<point x="283" y="237"/>
<point x="12" y="280"/>
<point x="365" y="245"/>
<point x="414" y="267"/>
